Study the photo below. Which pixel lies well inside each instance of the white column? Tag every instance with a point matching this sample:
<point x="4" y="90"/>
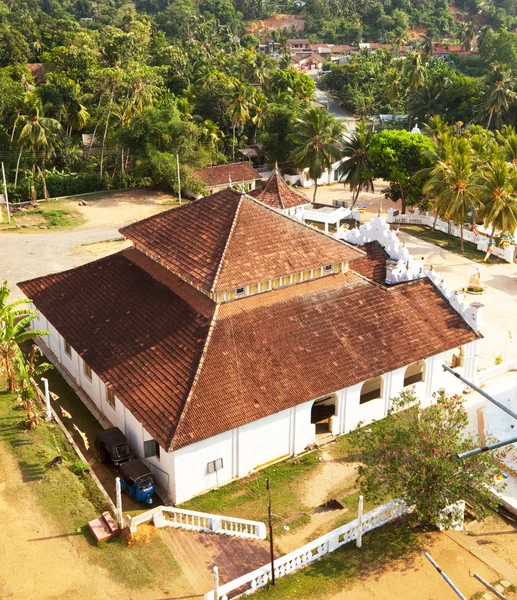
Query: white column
<point x="359" y="540"/>
<point x="47" y="399"/>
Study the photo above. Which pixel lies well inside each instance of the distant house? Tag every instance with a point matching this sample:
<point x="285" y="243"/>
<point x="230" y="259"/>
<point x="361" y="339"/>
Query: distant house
<point x="277" y="194"/>
<point x="254" y="153"/>
<point x="307" y="62"/>
<point x="299" y="45"/>
<point x="240" y="175"/>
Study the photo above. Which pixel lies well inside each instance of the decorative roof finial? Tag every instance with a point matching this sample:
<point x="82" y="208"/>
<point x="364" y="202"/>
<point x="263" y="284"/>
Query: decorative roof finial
<point x="276" y="168"/>
<point x="380" y="209"/>
<point x="229" y="181"/>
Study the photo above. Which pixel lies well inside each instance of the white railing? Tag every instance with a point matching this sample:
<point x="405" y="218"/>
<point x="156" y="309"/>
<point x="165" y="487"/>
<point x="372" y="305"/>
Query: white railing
<point x="481" y="241"/>
<point x="168" y="516"/>
<point x="504" y="367"/>
<point x="312" y="551"/>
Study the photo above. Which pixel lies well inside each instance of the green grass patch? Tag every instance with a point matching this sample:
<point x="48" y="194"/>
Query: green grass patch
<point x="247" y="498"/>
<point x="55" y="217"/>
<point x="70" y="498"/>
<point x="450" y="243"/>
<point x="334" y="572"/>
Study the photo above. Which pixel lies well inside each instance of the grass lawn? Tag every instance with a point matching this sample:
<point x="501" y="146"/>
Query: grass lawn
<point x="247" y="498"/>
<point x="451" y="243"/>
<point x="58" y="213"/>
<point x="71" y="500"/>
<point x="331" y="574"/>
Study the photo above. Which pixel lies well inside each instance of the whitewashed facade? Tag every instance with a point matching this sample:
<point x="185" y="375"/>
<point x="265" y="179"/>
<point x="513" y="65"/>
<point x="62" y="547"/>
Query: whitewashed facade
<point x="184" y="472"/>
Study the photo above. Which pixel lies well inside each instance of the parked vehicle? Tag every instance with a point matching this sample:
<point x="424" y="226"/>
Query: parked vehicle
<point x="112" y="447"/>
<point x="137" y="480"/>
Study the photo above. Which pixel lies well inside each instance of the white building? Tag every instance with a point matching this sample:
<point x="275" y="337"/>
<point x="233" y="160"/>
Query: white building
<point x="232" y="336"/>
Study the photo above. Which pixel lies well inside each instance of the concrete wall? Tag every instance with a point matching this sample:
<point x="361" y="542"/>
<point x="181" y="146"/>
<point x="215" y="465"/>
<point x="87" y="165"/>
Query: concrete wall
<point x="183" y="473"/>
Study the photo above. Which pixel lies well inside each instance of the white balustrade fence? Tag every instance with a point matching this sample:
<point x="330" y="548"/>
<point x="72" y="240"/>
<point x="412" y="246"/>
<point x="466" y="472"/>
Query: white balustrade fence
<point x="481" y="241"/>
<point x="504" y="367"/>
<point x="312" y="551"/>
<point x="168" y="516"/>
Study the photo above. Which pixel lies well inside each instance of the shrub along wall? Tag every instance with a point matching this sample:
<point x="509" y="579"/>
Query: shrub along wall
<point x="69" y="185"/>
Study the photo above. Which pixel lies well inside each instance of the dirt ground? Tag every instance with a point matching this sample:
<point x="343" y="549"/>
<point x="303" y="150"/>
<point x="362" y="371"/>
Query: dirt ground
<point x="418" y="580"/>
<point x="38" y="561"/>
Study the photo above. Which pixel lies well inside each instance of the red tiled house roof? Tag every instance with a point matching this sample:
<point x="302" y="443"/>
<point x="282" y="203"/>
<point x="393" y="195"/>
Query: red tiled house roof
<point x="188" y="370"/>
<point x="221" y="174"/>
<point x="228" y="240"/>
<point x="273" y="351"/>
<point x="139" y="334"/>
<point x="277" y="194"/>
<point x="373" y="265"/>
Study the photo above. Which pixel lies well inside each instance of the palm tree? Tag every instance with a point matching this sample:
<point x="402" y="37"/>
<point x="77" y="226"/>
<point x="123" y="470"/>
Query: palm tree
<point x="507" y="137"/>
<point x="259" y="107"/>
<point x="36" y="134"/>
<point x="497" y="192"/>
<point x="454" y="183"/>
<point x="12" y="331"/>
<point x="500" y="91"/>
<point x="356" y="169"/>
<point x="316" y="139"/>
<point x="427" y="44"/>
<point x="239" y="108"/>
<point x="416" y="71"/>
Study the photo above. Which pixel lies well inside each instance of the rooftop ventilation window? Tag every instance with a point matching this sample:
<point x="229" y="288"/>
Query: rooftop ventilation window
<point x="240" y="291"/>
<point x="328" y="267"/>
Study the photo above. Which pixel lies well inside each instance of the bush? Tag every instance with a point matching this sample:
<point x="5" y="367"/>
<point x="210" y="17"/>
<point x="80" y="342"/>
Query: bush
<point x="79" y="468"/>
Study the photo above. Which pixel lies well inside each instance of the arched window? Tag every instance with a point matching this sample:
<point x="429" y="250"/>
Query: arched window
<point x="414" y="373"/>
<point x="321" y="412"/>
<point x="371" y="390"/>
<point x="458" y="358"/>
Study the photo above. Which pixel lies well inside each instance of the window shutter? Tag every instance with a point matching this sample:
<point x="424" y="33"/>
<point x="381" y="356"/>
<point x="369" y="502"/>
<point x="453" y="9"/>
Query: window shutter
<point x="149" y="448"/>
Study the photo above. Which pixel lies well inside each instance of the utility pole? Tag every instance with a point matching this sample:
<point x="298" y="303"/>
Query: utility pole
<point x="6" y="196"/>
<point x="216" y="583"/>
<point x="270" y="520"/>
<point x="118" y="488"/>
<point x="179" y="179"/>
<point x="47" y="399"/>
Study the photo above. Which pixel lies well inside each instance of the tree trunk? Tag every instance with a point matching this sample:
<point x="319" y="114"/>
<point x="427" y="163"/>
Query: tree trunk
<point x="403" y="200"/>
<point x="18" y="167"/>
<point x="355" y="196"/>
<point x="315" y="190"/>
<point x="34" y="196"/>
<point x="14" y="129"/>
<point x="93" y="139"/>
<point x="233" y="144"/>
<point x="461" y="236"/>
<point x="106" y="132"/>
<point x="9" y="372"/>
<point x="490" y="117"/>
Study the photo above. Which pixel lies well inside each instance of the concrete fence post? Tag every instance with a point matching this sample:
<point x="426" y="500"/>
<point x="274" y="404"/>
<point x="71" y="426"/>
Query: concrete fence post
<point x="47" y="399"/>
<point x="359" y="539"/>
<point x="119" y="502"/>
<point x="216" y="583"/>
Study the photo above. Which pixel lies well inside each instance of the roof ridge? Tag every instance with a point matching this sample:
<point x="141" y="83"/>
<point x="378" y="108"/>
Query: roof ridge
<point x="227" y="243"/>
<point x="277" y="176"/>
<point x="303" y="224"/>
<point x="195" y="378"/>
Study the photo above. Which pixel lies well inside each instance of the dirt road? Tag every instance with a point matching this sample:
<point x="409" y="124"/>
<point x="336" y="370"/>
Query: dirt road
<point x="27" y="255"/>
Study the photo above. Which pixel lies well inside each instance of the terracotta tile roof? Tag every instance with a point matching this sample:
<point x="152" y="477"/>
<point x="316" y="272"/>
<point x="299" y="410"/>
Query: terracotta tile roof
<point x="221" y="174"/>
<point x="277" y="194"/>
<point x="189" y="371"/>
<point x="134" y="331"/>
<point x="272" y="351"/>
<point x="228" y="240"/>
<point x="373" y="265"/>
